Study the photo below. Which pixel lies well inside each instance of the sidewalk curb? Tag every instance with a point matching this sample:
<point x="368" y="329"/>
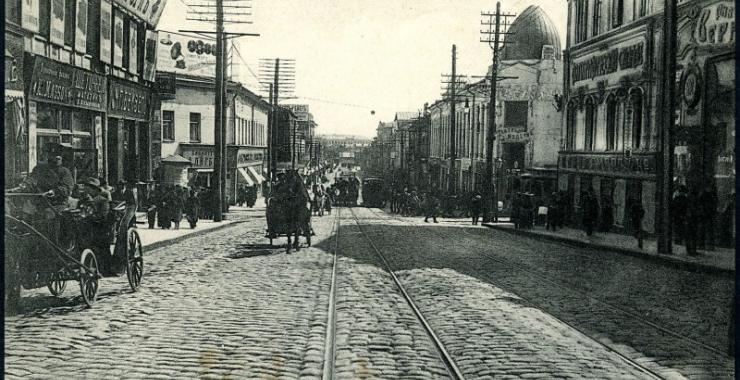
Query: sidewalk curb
<point x="664" y="259"/>
<point x="162" y="243"/>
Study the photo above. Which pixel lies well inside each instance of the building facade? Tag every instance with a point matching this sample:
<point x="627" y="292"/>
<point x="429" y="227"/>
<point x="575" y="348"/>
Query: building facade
<point x="187" y="130"/>
<point x="612" y="132"/>
<point x="86" y="69"/>
<point x="528" y="117"/>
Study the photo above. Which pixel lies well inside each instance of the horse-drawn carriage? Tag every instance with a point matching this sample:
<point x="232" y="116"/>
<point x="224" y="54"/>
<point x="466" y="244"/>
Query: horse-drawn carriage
<point x="373" y="192"/>
<point x="47" y="245"/>
<point x="289" y="211"/>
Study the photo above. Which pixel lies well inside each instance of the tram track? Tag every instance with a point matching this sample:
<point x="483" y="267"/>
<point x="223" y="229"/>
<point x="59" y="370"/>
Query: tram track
<point x="331" y="323"/>
<point x="445" y="357"/>
<point x="631" y="362"/>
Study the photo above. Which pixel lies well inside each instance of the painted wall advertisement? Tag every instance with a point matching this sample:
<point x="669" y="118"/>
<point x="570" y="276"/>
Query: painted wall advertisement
<point x="133" y="49"/>
<point x="81" y="27"/>
<point x="150" y="56"/>
<point x="117" y="39"/>
<point x="148" y="10"/>
<point x="105" y="30"/>
<point x="185" y="54"/>
<point x="30" y="15"/>
<point x="56" y="25"/>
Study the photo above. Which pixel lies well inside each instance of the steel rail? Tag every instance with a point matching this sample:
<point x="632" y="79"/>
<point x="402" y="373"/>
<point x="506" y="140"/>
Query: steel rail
<point x="331" y="328"/>
<point x="445" y="356"/>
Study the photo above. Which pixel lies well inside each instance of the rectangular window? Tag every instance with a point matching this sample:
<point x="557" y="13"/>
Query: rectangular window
<point x="611" y="124"/>
<point x="581" y="20"/>
<point x="596" y="18"/>
<point x="194" y="127"/>
<point x="168" y="125"/>
<point x="643" y="8"/>
<point x="515" y="114"/>
<point x="591" y="115"/>
<point x="617" y="13"/>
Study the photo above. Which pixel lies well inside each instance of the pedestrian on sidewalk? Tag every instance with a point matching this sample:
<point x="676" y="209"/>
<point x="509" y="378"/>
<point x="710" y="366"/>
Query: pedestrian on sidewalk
<point x="693" y="215"/>
<point x="192" y="208"/>
<point x="431" y="207"/>
<point x="607" y="213"/>
<point x="636" y="212"/>
<point x="475" y="207"/>
<point x="553" y="212"/>
<point x="590" y="207"/>
<point x="679" y="209"/>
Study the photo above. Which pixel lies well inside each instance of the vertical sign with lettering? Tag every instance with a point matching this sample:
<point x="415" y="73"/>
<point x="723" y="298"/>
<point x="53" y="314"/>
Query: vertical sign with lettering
<point x="81" y="27"/>
<point x="32" y="120"/>
<point x="56" y="25"/>
<point x="133" y="47"/>
<point x="105" y="31"/>
<point x="99" y="137"/>
<point x="30" y="15"/>
<point x="117" y="39"/>
<point x="150" y="56"/>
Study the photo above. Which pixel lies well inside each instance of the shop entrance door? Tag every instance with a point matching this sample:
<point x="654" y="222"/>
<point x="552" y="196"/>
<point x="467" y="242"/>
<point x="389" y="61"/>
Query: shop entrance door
<point x="632" y="193"/>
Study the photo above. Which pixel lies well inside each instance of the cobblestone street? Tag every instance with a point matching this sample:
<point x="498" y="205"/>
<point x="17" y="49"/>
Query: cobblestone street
<point x="225" y="305"/>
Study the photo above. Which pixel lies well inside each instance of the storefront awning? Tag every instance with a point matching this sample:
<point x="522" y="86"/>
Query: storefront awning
<point x="245" y="177"/>
<point x="256" y="176"/>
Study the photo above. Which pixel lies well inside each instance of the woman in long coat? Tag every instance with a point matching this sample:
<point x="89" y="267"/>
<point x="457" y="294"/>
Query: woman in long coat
<point x="177" y="206"/>
<point x="192" y="208"/>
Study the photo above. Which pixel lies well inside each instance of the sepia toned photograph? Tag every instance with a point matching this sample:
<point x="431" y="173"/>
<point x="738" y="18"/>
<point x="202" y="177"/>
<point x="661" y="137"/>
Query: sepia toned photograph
<point x="387" y="189"/>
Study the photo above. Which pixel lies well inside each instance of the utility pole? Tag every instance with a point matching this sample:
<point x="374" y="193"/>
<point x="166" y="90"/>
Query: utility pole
<point x="203" y="12"/>
<point x="491" y="191"/>
<point x="453" y="153"/>
<point x="270" y="121"/>
<point x="667" y="121"/>
<point x="276" y="76"/>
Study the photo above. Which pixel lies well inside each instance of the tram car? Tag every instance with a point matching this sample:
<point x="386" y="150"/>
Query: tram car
<point x="373" y="192"/>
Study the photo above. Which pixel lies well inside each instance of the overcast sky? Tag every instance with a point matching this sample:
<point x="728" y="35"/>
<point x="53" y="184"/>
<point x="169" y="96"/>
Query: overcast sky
<point x="354" y="56"/>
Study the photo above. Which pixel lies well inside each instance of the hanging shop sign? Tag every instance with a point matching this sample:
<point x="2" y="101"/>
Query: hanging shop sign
<point x="716" y="24"/>
<point x="609" y="165"/>
<point x="617" y="59"/>
<point x="148" y="10"/>
<point x="133" y="48"/>
<point x="106" y="30"/>
<point x="56" y="24"/>
<point x="182" y="54"/>
<point x="150" y="56"/>
<point x="30" y="15"/>
<point x="81" y="27"/>
<point x="118" y="39"/>
<point x="128" y="100"/>
<point x="299" y="110"/>
<point x="59" y="83"/>
<point x="13" y="62"/>
<point x="166" y="85"/>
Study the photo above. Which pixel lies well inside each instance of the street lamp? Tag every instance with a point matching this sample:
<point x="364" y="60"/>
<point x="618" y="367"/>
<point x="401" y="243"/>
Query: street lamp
<point x="499" y="165"/>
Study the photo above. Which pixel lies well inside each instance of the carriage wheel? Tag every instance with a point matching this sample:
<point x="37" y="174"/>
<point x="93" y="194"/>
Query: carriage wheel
<point x="134" y="259"/>
<point x="56" y="285"/>
<point x="88" y="280"/>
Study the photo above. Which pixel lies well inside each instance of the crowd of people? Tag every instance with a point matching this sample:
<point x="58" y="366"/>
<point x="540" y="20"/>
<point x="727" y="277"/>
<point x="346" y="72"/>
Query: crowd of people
<point x="246" y="195"/>
<point x="167" y="205"/>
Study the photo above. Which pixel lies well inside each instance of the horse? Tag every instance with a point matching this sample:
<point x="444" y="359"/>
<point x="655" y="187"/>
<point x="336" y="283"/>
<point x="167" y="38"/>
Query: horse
<point x="298" y="215"/>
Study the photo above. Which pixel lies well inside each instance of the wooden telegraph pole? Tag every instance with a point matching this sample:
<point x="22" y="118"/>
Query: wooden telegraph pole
<point x="667" y="121"/>
<point x="490" y="191"/>
<point x="204" y="12"/>
<point x="453" y="100"/>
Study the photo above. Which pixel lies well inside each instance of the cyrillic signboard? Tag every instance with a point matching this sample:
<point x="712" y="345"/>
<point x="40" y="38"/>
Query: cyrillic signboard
<point x="30" y="15"/>
<point x="128" y="100"/>
<point x="183" y="54"/>
<point x="81" y="27"/>
<point x="150" y="56"/>
<point x="56" y="23"/>
<point x="105" y="30"/>
<point x="148" y="10"/>
<point x="117" y="39"/>
<point x="59" y="83"/>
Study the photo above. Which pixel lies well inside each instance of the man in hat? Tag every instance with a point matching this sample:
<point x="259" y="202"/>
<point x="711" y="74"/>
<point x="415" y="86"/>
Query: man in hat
<point x="50" y="177"/>
<point x="96" y="208"/>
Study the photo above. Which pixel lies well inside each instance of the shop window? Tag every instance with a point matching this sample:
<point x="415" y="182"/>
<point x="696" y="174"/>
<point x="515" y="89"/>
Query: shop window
<point x="612" y="108"/>
<point x="515" y="114"/>
<point x="596" y="20"/>
<point x="168" y="125"/>
<point x="591" y="115"/>
<point x="81" y="122"/>
<point x="617" y="13"/>
<point x="194" y="127"/>
<point x="636" y="102"/>
<point x="47" y="117"/>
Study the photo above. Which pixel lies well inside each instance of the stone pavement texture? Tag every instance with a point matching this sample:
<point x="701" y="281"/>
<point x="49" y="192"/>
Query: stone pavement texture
<point x="671" y="320"/>
<point x="721" y="260"/>
<point x="215" y="306"/>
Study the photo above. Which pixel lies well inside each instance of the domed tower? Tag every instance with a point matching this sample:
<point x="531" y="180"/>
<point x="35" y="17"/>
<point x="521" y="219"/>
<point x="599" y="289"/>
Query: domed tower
<point x="530" y="32"/>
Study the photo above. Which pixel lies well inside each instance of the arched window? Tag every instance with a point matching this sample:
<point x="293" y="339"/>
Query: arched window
<point x="590" y="132"/>
<point x="612" y="118"/>
<point x="570" y="127"/>
<point x="636" y="106"/>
